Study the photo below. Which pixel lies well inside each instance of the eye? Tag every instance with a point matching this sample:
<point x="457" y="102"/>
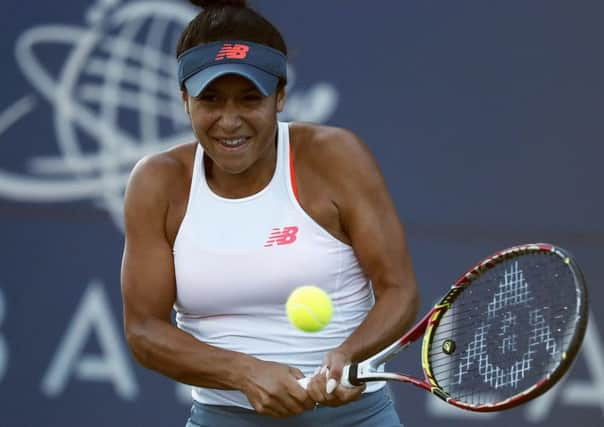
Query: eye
<point x="253" y="97"/>
<point x="207" y="97"/>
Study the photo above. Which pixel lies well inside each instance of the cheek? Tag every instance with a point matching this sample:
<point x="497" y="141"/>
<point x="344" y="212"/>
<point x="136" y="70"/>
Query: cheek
<point x="261" y="119"/>
<point x="201" y="120"/>
<point x="267" y="116"/>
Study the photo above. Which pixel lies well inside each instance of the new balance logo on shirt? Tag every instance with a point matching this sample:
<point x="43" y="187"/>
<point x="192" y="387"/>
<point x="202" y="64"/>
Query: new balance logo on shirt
<point x="282" y="236"/>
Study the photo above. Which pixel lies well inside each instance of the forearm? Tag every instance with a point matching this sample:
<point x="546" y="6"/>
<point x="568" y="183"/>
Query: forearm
<point x="394" y="312"/>
<point x="162" y="347"/>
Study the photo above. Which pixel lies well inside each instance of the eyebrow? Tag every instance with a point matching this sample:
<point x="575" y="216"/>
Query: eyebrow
<point x="244" y="90"/>
<point x="251" y="89"/>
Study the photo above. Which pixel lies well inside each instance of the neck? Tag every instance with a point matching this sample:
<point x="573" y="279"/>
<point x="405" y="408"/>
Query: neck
<point x="246" y="183"/>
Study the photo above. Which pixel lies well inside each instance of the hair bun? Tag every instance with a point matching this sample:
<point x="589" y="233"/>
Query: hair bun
<point x="206" y="4"/>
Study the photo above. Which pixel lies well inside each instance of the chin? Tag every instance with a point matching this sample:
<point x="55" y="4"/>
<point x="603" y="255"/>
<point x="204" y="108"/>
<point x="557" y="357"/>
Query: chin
<point x="234" y="168"/>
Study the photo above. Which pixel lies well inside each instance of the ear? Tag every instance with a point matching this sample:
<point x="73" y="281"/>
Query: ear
<point x="280" y="99"/>
<point x="185" y="101"/>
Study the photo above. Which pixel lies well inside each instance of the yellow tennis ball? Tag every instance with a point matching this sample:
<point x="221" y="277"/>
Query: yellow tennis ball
<point x="309" y="308"/>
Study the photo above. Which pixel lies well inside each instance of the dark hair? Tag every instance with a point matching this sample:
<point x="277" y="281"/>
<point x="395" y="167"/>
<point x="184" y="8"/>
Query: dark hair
<point x="229" y="20"/>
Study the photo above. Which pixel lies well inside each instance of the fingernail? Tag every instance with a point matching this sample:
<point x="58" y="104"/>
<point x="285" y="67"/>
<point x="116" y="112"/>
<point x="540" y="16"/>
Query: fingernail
<point x="331" y="386"/>
<point x="323" y="369"/>
<point x="316" y="371"/>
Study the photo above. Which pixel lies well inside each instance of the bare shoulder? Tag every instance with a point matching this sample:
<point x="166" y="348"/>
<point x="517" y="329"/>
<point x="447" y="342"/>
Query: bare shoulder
<point x="310" y="136"/>
<point x="156" y="177"/>
<point x="337" y="152"/>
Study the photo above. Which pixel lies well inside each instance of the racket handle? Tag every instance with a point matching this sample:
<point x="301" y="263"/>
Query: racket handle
<point x="304" y="382"/>
<point x="344" y="381"/>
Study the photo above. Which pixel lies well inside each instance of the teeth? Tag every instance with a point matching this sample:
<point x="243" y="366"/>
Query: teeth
<point x="232" y="142"/>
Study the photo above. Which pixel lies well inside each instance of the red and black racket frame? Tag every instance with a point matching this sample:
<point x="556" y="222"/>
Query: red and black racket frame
<point x="366" y="371"/>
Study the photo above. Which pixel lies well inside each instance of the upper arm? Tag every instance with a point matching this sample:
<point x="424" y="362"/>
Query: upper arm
<point x="147" y="275"/>
<point x="368" y="215"/>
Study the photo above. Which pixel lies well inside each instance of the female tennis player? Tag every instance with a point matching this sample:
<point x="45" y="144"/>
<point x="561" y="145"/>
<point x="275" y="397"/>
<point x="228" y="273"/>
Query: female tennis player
<point x="222" y="229"/>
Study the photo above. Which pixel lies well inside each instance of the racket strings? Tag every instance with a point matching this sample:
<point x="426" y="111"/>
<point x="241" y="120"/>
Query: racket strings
<point x="446" y="360"/>
<point x="510" y="328"/>
<point x="452" y="327"/>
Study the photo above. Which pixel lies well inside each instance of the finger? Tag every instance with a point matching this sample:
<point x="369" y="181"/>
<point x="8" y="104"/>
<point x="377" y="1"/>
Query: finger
<point x="343" y="395"/>
<point x="324" y="371"/>
<point x="331" y="385"/>
<point x="335" y="372"/>
<point x="336" y="368"/>
<point x="296" y="373"/>
<point x="333" y="376"/>
<point x="316" y="389"/>
<point x="298" y="403"/>
<point x="302" y="397"/>
<point x="313" y="390"/>
<point x="305" y="382"/>
<point x="331" y="381"/>
<point x="284" y="406"/>
<point x="348" y="394"/>
<point x="267" y="410"/>
<point x="308" y="402"/>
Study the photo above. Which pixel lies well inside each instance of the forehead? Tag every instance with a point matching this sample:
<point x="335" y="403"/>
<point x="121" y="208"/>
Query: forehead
<point x="231" y="83"/>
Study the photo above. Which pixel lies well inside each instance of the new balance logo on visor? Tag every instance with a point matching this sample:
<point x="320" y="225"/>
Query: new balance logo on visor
<point x="282" y="236"/>
<point x="232" y="51"/>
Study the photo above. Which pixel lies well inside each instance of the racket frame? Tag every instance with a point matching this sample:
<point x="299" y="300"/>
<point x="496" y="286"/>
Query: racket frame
<point x="368" y="370"/>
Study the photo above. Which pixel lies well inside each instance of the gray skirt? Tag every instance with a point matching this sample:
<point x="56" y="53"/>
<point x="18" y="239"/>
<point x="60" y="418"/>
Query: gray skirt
<point x="371" y="410"/>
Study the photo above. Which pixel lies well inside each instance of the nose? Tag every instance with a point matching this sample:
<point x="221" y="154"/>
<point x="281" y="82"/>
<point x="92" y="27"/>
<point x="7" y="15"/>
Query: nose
<point x="230" y="118"/>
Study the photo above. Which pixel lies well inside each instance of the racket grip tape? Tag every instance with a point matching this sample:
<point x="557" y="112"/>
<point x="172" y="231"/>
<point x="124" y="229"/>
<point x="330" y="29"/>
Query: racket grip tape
<point x="349" y="377"/>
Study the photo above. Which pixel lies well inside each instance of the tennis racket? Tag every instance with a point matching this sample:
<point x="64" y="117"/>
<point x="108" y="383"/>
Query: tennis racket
<point x="505" y="333"/>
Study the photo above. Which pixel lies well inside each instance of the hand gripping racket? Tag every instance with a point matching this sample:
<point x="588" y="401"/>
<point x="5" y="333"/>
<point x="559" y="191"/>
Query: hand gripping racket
<point x="505" y="332"/>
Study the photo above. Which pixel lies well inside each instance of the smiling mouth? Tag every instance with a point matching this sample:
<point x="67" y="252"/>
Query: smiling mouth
<point x="232" y="143"/>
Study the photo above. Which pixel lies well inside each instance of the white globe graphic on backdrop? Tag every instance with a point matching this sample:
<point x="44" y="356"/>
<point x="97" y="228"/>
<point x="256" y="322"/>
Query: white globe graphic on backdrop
<point x="116" y="99"/>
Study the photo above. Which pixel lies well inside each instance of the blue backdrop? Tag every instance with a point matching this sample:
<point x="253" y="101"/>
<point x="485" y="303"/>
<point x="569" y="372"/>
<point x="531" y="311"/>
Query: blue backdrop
<point x="486" y="118"/>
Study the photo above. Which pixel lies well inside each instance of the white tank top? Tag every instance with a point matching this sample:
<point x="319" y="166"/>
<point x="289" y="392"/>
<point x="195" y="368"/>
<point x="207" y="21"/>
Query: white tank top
<point x="236" y="262"/>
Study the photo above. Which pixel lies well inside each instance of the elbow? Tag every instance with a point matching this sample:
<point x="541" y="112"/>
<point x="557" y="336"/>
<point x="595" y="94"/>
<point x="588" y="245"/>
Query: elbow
<point x="403" y="298"/>
<point x="408" y="295"/>
<point x="137" y="338"/>
<point x="414" y="302"/>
